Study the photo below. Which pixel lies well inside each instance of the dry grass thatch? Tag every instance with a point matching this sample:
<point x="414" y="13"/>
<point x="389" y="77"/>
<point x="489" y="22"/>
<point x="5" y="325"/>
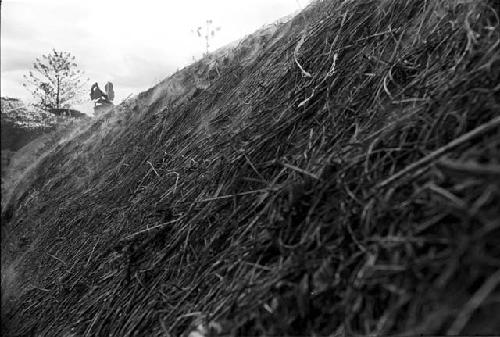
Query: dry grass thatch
<point x="343" y="180"/>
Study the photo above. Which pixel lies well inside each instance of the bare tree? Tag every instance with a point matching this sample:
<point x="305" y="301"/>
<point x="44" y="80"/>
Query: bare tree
<point x="208" y="35"/>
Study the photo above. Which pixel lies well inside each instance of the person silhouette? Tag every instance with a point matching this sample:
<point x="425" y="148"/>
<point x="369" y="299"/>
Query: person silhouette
<point x="109" y="91"/>
<point x="102" y="101"/>
<point x="97" y="94"/>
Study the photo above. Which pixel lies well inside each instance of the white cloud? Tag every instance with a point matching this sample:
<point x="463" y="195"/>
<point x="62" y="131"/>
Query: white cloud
<point x="132" y="43"/>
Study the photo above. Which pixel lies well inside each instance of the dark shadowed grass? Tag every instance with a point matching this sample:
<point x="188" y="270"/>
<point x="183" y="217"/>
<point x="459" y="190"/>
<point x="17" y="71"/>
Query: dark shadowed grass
<point x="344" y="181"/>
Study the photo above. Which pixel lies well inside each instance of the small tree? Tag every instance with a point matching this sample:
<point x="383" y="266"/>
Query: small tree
<point x="208" y="35"/>
<point x="55" y="82"/>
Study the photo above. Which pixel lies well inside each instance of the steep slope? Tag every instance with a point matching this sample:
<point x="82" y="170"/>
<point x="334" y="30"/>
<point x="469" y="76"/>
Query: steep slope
<point x="337" y="173"/>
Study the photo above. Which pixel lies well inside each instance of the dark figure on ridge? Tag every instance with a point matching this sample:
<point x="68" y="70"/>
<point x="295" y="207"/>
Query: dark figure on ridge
<point x="102" y="101"/>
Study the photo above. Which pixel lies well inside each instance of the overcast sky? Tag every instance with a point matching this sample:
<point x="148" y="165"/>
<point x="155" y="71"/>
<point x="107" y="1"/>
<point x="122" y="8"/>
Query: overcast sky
<point x="133" y="44"/>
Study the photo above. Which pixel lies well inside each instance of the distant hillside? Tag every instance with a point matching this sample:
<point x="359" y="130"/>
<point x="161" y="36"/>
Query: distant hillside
<point x="21" y="125"/>
<point x="337" y="174"/>
<point x="27" y="133"/>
